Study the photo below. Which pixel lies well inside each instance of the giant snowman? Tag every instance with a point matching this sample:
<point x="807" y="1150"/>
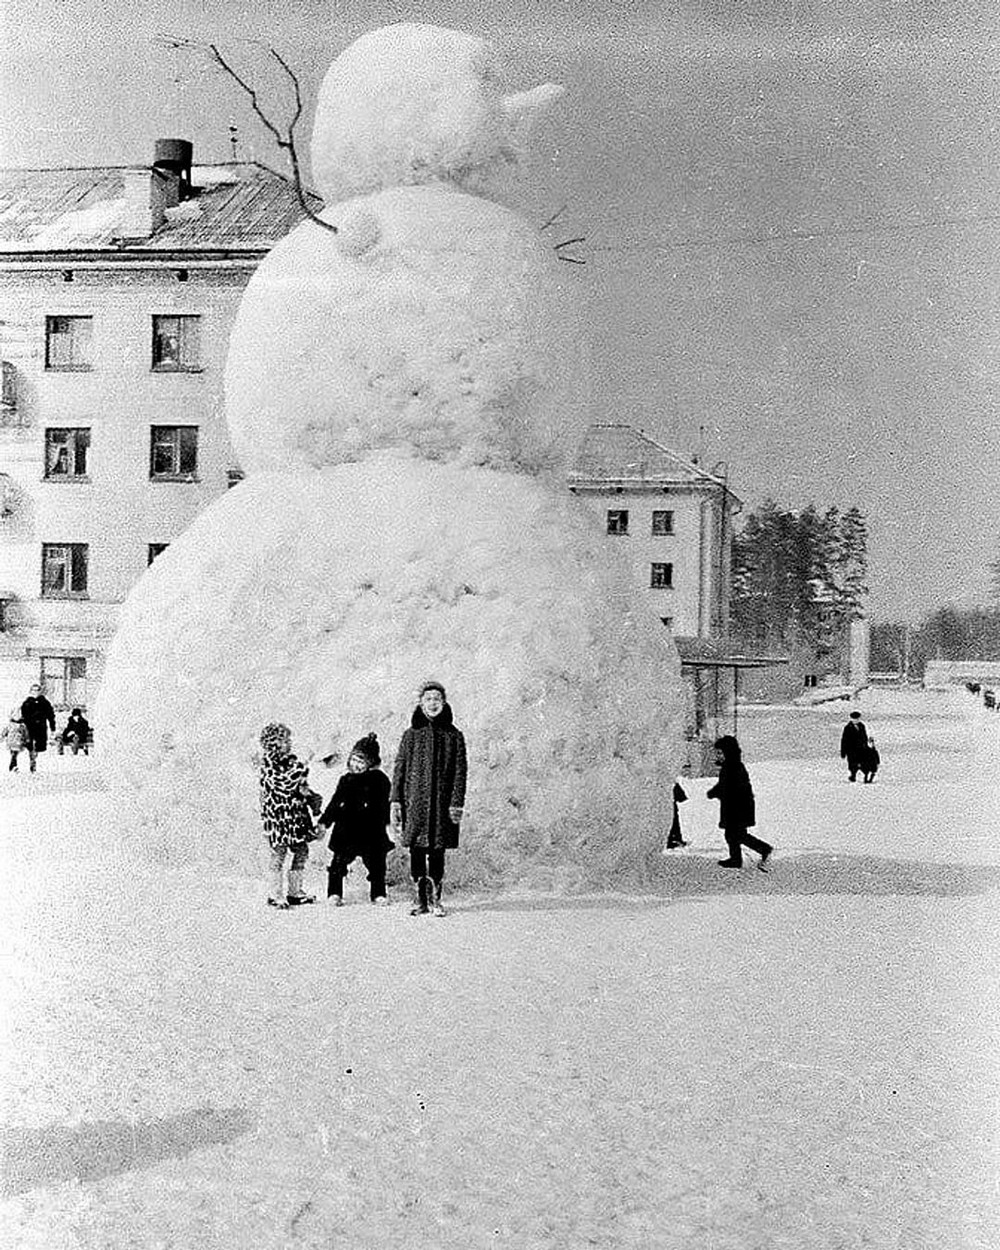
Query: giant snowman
<point x="404" y="394"/>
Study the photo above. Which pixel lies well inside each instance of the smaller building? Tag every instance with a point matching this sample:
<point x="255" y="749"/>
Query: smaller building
<point x="672" y="519"/>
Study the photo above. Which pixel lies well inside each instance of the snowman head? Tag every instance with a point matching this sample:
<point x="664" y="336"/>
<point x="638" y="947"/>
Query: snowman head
<point x="413" y="104"/>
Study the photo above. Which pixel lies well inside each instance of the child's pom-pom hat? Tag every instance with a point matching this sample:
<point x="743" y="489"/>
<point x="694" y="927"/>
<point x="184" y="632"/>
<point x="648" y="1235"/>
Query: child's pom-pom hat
<point x="369" y="749"/>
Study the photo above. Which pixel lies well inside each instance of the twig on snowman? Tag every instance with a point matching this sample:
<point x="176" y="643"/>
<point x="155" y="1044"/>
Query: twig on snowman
<point x="284" y="140"/>
<point x="570" y="260"/>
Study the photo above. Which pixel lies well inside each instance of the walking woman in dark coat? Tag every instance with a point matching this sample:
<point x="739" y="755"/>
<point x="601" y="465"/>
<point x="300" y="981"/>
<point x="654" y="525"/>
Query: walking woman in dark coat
<point x="428" y="793"/>
<point x="39" y="717"/>
<point x="737" y="810"/>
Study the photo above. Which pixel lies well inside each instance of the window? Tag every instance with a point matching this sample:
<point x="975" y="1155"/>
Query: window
<point x="618" y="521"/>
<point x="66" y="453"/>
<point x="176" y="344"/>
<point x="234" y="477"/>
<point x="154" y="550"/>
<point x="668" y="621"/>
<point x="663" y="522"/>
<point x="661" y="576"/>
<point x="67" y="342"/>
<point x="64" y="570"/>
<point x="173" y="452"/>
<point x="64" y="680"/>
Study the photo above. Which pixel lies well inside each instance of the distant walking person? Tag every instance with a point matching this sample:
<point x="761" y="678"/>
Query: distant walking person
<point x="16" y="738"/>
<point x="428" y="793"/>
<point x="870" y="760"/>
<point x="737" y="810"/>
<point x="853" y="744"/>
<point x="39" y="718"/>
<point x="358" y="814"/>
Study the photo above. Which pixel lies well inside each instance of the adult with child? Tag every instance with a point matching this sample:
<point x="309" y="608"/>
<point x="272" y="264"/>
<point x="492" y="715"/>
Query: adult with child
<point x="737" y="806"/>
<point x="39" y="717"/>
<point x="358" y="814"/>
<point x="854" y="744"/>
<point x="428" y="793"/>
<point x="286" y="802"/>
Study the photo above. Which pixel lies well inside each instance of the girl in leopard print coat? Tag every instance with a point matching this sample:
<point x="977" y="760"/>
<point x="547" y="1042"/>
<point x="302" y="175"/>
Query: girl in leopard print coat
<point x="285" y="811"/>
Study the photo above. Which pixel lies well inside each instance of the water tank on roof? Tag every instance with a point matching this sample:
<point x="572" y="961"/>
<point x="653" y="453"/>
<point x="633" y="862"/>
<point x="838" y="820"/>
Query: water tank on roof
<point x="175" y="155"/>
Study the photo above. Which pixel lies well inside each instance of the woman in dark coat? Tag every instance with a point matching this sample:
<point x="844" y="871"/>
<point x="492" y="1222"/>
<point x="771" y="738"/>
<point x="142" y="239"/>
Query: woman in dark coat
<point x="39" y="717"/>
<point x="428" y="793"/>
<point x="737" y="810"/>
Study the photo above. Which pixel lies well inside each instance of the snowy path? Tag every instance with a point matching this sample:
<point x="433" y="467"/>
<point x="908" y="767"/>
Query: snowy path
<point x="806" y="1059"/>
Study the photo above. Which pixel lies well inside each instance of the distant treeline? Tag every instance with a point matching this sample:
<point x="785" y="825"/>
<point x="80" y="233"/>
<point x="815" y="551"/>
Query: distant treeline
<point x="946" y="634"/>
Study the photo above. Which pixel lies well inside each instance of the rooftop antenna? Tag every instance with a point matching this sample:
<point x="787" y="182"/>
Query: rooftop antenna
<point x="234" y="141"/>
<point x="700" y="453"/>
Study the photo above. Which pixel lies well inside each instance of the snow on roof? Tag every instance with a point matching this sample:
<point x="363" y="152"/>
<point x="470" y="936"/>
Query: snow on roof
<point x="242" y="206"/>
<point x="619" y="453"/>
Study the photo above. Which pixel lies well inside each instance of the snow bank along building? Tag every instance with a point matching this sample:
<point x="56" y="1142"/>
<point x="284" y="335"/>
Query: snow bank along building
<point x="119" y="287"/>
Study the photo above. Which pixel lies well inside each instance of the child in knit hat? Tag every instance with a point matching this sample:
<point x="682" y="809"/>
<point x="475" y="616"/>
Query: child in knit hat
<point x="358" y="815"/>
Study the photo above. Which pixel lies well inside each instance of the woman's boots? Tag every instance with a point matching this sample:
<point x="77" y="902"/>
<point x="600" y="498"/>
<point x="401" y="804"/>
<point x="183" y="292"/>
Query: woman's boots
<point x="427" y="898"/>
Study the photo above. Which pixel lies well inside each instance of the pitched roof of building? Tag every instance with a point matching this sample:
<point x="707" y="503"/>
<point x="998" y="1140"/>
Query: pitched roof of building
<point x="234" y="206"/>
<point x="619" y="453"/>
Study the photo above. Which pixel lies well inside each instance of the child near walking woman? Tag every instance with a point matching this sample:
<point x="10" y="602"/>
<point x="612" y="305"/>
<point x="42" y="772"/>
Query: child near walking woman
<point x="428" y="793"/>
<point x="15" y="735"/>
<point x="285" y="798"/>
<point x="736" y="805"/>
<point x="358" y="814"/>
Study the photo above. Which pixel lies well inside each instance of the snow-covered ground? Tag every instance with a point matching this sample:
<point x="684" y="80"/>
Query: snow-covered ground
<point x="734" y="1061"/>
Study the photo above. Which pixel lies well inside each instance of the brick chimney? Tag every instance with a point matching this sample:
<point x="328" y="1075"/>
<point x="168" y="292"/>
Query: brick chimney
<point x="149" y="192"/>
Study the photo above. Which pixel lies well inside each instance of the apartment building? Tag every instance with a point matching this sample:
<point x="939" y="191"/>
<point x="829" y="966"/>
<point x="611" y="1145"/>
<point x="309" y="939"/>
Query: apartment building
<point x="118" y="288"/>
<point x="671" y="518"/>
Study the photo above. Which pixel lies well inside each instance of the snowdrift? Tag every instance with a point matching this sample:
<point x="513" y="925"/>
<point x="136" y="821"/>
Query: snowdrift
<point x="294" y="598"/>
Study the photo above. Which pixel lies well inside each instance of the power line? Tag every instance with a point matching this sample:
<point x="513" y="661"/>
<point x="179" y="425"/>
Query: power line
<point x="798" y="236"/>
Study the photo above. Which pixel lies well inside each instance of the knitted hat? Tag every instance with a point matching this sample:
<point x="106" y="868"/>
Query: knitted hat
<point x="432" y="685"/>
<point x="368" y="747"/>
<point x="272" y="734"/>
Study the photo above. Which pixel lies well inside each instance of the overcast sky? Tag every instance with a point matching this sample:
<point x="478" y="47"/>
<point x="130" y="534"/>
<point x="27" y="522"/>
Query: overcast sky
<point x="791" y="208"/>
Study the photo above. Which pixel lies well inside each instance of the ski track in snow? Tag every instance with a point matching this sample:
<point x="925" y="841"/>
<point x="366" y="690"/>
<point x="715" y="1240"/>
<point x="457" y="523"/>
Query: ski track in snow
<point x="802" y="1059"/>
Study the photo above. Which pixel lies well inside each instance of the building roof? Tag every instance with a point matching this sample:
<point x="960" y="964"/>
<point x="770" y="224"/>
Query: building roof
<point x="233" y="207"/>
<point x="617" y="453"/>
<point x="721" y="653"/>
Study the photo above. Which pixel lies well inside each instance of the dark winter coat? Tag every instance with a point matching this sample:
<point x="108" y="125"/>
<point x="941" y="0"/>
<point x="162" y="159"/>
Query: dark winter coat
<point x="854" y="740"/>
<point x="38" y="718"/>
<point x="869" y="760"/>
<point x="737" y="809"/>
<point x="78" y="725"/>
<point x="429" y="777"/>
<point x="358" y="814"/>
